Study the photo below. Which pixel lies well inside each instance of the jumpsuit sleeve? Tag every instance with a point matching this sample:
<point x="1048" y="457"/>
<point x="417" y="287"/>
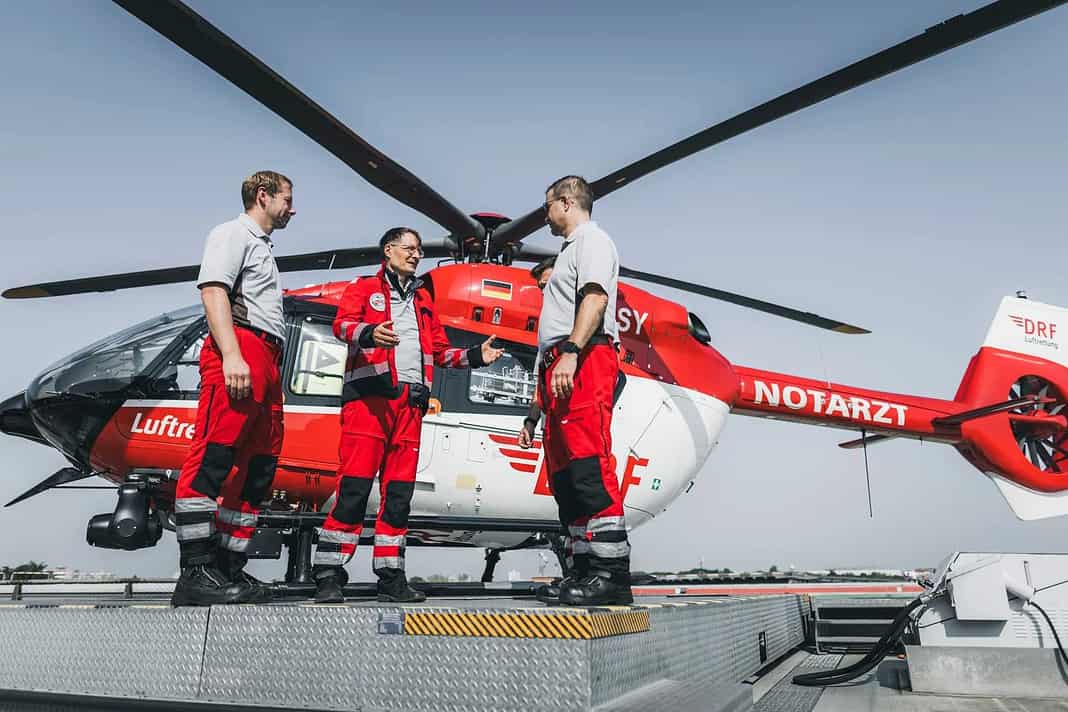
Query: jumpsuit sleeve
<point x="448" y="356"/>
<point x="349" y="324"/>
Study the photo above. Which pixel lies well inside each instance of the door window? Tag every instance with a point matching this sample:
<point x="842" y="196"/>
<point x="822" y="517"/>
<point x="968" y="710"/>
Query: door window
<point x="509" y="380"/>
<point x="319" y="365"/>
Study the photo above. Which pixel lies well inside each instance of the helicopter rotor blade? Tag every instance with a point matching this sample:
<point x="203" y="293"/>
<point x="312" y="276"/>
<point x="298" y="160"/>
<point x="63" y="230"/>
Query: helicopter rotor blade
<point x="944" y="36"/>
<point x="346" y="258"/>
<point x="328" y="259"/>
<point x="757" y="304"/>
<point x="191" y="32"/>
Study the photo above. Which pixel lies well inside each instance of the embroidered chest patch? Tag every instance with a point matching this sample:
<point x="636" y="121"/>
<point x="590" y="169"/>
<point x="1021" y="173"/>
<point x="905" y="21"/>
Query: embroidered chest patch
<point x="377" y="302"/>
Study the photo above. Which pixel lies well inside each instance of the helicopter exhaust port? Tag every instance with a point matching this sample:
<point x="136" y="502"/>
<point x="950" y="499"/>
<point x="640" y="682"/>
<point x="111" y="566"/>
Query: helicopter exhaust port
<point x="133" y="524"/>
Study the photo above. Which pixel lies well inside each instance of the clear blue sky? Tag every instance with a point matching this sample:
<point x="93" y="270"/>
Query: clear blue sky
<point x="909" y="206"/>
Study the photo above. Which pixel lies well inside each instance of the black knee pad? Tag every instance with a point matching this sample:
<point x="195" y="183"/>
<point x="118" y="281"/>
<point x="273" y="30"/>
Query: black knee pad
<point x="564" y="494"/>
<point x="258" y="481"/>
<point x="351" y="502"/>
<point x="214" y="468"/>
<point x="398" y="504"/>
<point x="590" y="495"/>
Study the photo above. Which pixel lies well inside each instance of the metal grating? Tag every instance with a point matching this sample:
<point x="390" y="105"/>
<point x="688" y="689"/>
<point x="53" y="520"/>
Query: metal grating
<point x="853" y="623"/>
<point x="788" y="697"/>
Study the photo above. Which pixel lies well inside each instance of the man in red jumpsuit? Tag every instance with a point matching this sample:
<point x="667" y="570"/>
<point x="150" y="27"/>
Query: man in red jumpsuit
<point x="577" y="338"/>
<point x="238" y="433"/>
<point x="395" y="339"/>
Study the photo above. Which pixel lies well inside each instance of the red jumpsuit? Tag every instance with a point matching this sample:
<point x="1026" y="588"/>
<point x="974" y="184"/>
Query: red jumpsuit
<point x="380" y="427"/>
<point x="234" y="452"/>
<point x="578" y="453"/>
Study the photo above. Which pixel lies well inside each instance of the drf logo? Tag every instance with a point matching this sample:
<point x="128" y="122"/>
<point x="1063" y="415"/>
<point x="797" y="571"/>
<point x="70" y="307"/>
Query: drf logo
<point x="1035" y="327"/>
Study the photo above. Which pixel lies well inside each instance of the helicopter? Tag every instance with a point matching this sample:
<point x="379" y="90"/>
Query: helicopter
<point x="123" y="408"/>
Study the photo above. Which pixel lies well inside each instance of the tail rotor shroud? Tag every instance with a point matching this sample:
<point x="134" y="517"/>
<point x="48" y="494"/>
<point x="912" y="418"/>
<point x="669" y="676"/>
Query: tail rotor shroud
<point x="1038" y="428"/>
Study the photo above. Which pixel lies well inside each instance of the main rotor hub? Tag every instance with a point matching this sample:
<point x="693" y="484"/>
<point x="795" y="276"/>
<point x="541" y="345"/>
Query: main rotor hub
<point x="477" y="249"/>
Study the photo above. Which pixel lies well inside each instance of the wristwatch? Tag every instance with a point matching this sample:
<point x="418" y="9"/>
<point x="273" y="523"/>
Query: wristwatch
<point x="570" y="347"/>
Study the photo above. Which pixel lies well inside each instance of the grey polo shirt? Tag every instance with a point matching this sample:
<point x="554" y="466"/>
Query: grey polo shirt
<point x="238" y="255"/>
<point x="408" y="354"/>
<point x="588" y="256"/>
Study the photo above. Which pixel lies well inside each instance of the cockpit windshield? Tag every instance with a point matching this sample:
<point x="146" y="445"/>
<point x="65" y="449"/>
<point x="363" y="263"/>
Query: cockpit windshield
<point x="114" y="362"/>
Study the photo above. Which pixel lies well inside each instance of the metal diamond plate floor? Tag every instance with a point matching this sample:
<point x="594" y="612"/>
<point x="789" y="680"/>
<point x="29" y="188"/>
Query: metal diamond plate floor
<point x="448" y="655"/>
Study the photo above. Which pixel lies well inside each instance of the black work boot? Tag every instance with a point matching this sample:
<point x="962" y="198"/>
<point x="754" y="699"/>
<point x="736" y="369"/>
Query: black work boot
<point x="232" y="565"/>
<point x="203" y="585"/>
<point x="550" y="592"/>
<point x="598" y="590"/>
<point x="393" y="588"/>
<point x="330" y="585"/>
<point x="329" y="590"/>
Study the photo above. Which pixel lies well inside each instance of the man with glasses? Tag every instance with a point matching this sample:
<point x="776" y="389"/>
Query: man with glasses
<point x="577" y="334"/>
<point x="395" y="340"/>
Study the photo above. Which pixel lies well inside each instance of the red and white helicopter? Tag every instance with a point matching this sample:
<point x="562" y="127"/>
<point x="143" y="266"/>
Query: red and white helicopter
<point x="124" y="407"/>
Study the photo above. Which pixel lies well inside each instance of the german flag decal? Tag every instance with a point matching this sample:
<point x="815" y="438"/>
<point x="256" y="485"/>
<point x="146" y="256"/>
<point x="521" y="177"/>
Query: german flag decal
<point x="497" y="290"/>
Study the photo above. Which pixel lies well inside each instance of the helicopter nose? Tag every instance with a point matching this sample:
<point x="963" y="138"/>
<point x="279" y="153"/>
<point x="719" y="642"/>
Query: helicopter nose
<point x="68" y="422"/>
<point x="15" y="419"/>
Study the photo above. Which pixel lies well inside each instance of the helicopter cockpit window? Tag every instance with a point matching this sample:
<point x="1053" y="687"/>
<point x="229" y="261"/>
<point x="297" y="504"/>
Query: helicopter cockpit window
<point x="319" y="366"/>
<point x="113" y="363"/>
<point x="509" y="380"/>
<point x="187" y="368"/>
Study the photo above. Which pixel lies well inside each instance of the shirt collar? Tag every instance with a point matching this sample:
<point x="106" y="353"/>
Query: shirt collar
<point x="394" y="283"/>
<point x="254" y="228"/>
<point x="577" y="232"/>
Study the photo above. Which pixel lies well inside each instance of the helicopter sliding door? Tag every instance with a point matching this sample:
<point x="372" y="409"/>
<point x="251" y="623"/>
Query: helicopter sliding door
<point x="480" y="467"/>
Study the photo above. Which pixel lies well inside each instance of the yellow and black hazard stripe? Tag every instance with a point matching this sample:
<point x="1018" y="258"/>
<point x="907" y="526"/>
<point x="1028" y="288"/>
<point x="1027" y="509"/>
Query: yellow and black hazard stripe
<point x="581" y="625"/>
<point x="606" y="625"/>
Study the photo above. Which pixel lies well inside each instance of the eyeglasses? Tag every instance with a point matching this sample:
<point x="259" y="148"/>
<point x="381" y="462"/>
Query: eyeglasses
<point x="410" y="249"/>
<point x="547" y="203"/>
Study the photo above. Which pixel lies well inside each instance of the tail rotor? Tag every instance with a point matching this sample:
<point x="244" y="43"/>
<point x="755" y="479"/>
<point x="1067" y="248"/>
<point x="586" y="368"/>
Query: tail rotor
<point x="1039" y="428"/>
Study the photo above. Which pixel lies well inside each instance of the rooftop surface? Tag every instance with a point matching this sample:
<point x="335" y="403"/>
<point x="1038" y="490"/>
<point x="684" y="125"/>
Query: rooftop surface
<point x="885" y="689"/>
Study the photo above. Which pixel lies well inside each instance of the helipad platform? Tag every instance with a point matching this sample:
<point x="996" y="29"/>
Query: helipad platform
<point x="446" y="655"/>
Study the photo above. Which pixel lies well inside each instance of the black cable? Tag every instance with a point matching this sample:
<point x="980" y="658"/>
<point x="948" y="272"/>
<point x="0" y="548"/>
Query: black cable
<point x="882" y="648"/>
<point x="1060" y="648"/>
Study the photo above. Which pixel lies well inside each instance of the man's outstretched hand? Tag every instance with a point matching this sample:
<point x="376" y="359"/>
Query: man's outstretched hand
<point x="490" y="354"/>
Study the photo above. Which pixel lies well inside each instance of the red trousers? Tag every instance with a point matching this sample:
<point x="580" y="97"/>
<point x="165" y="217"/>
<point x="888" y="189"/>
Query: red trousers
<point x="578" y="454"/>
<point x="234" y="453"/>
<point x="379" y="436"/>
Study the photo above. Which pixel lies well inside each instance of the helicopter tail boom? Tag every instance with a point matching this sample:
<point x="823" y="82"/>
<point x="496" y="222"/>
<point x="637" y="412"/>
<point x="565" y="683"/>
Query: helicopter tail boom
<point x="1008" y="417"/>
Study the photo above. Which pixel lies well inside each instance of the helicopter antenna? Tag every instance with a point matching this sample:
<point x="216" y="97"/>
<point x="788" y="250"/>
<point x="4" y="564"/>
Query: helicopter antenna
<point x="867" y="472"/>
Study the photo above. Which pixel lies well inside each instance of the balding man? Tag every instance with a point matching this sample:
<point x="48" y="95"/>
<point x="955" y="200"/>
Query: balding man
<point x="577" y="338"/>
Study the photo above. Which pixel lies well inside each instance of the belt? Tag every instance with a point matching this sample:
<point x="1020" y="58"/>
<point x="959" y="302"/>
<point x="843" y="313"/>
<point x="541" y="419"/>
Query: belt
<point x="263" y="335"/>
<point x="549" y="356"/>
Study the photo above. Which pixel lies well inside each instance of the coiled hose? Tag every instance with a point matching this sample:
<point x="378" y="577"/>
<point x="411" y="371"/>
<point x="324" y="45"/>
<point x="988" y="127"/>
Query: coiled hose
<point x="884" y="647"/>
